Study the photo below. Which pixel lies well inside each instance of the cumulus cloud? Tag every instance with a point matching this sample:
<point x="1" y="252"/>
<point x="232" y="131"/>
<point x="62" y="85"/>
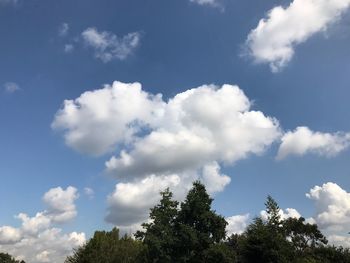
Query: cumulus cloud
<point x="163" y="143"/>
<point x="129" y="204"/>
<point x="37" y="240"/>
<point x="194" y="128"/>
<point x="332" y="212"/>
<point x="108" y="46"/>
<point x="98" y="120"/>
<point x="303" y="141"/>
<point x="237" y="224"/>
<point x="11" y="87"/>
<point x="68" y="48"/>
<point x="274" y="39"/>
<point x="60" y="203"/>
<point x="332" y="206"/>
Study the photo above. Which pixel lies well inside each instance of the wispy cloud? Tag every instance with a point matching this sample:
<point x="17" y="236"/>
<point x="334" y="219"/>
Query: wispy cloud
<point x="11" y="87"/>
<point x="63" y="29"/>
<point x="108" y="46"/>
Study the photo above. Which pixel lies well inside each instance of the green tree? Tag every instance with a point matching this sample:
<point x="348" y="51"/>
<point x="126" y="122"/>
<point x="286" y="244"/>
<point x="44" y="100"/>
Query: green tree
<point x="6" y="258"/>
<point x="197" y="226"/>
<point x="159" y="234"/>
<point x="107" y="247"/>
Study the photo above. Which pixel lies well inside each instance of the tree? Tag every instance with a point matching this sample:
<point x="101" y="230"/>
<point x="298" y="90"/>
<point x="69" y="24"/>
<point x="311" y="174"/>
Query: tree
<point x="6" y="258"/>
<point x="107" y="247"/>
<point x="197" y="226"/>
<point x="159" y="234"/>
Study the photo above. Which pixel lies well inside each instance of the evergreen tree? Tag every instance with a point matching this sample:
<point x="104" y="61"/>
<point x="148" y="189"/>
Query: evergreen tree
<point x="159" y="235"/>
<point x="198" y="227"/>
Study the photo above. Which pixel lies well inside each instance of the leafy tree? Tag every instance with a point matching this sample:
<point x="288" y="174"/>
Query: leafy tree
<point x="198" y="227"/>
<point x="107" y="247"/>
<point x="6" y="258"/>
<point x="159" y="235"/>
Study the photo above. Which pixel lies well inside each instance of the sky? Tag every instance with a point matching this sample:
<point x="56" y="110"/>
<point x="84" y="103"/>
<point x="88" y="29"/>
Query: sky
<point x="103" y="104"/>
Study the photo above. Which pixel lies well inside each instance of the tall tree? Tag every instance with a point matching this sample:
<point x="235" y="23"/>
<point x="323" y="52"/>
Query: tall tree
<point x="159" y="235"/>
<point x="6" y="258"/>
<point x="198" y="227"/>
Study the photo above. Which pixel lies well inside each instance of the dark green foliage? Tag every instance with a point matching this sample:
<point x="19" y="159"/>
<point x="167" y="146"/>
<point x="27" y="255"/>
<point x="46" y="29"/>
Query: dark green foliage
<point x="6" y="258"/>
<point x="198" y="227"/>
<point x="107" y="247"/>
<point x="159" y="235"/>
<point x="194" y="233"/>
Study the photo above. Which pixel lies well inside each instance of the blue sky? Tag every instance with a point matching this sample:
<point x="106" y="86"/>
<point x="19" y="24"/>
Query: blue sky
<point x="294" y="74"/>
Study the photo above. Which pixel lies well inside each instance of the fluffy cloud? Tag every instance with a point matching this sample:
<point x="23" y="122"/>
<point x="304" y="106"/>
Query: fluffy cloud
<point x="11" y="87"/>
<point x="60" y="203"/>
<point x="129" y="204"/>
<point x="163" y="143"/>
<point x="237" y="224"/>
<point x="332" y="206"/>
<point x="274" y="39"/>
<point x="98" y="120"/>
<point x="303" y="141"/>
<point x="108" y="46"/>
<point x="332" y="213"/>
<point x="194" y="128"/>
<point x="37" y="240"/>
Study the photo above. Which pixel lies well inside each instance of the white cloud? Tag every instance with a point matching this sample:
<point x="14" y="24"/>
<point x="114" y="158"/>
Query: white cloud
<point x="332" y="206"/>
<point x="98" y="120"/>
<point x="63" y="29"/>
<point x="214" y="3"/>
<point x="163" y="143"/>
<point x="60" y="203"/>
<point x="37" y="240"/>
<point x="237" y="224"/>
<point x="108" y="46"/>
<point x="303" y="141"/>
<point x="11" y="87"/>
<point x="284" y="214"/>
<point x="332" y="215"/>
<point x="130" y="202"/>
<point x="274" y="39"/>
<point x="9" y="235"/>
<point x="196" y="127"/>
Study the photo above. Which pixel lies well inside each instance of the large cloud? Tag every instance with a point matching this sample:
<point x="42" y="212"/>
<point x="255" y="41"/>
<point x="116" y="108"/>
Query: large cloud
<point x="129" y="204"/>
<point x="37" y="240"/>
<point x="274" y="39"/>
<point x="108" y="46"/>
<point x="237" y="224"/>
<point x="303" y="141"/>
<point x="163" y="143"/>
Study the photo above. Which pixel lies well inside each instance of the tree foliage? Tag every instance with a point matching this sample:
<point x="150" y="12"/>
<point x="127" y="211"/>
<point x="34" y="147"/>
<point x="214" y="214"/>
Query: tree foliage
<point x="107" y="247"/>
<point x="6" y="258"/>
<point x="192" y="232"/>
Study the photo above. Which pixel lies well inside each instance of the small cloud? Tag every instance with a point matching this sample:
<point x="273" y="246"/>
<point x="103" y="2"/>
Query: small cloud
<point x="108" y="46"/>
<point x="4" y="2"/>
<point x="63" y="29"/>
<point x="11" y="87"/>
<point x="68" y="48"/>
<point x="89" y="192"/>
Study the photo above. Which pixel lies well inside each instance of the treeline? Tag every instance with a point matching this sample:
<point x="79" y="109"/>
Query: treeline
<point x="192" y="232"/>
<point x="6" y="258"/>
